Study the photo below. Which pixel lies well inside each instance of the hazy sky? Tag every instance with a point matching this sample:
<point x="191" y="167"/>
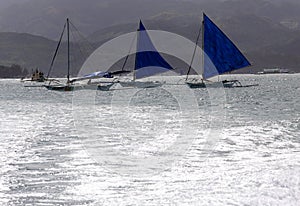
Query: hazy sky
<point x="6" y="3"/>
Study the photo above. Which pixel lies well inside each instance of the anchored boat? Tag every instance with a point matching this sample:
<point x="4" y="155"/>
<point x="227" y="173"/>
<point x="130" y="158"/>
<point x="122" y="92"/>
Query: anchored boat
<point x="219" y="56"/>
<point x="148" y="62"/>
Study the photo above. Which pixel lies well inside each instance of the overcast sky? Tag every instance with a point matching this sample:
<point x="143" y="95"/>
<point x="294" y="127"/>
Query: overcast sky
<point x="6" y="3"/>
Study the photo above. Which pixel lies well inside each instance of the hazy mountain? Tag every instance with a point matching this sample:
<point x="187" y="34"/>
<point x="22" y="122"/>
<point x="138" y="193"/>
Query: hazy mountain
<point x="46" y="17"/>
<point x="26" y="50"/>
<point x="266" y="31"/>
<point x="31" y="52"/>
<point x="269" y="47"/>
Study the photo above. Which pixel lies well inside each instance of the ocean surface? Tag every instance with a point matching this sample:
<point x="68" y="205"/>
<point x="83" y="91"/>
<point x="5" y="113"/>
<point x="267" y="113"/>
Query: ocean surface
<point x="161" y="146"/>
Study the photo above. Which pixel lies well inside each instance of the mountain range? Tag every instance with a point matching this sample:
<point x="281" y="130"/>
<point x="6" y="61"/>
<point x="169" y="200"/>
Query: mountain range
<point x="267" y="32"/>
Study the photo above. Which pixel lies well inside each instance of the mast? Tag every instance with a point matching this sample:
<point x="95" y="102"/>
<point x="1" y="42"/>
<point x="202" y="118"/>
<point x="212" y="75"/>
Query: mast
<point x="135" y="61"/>
<point x="68" y="34"/>
<point x="202" y="46"/>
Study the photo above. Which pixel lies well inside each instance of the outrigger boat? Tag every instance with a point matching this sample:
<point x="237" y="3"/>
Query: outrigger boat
<point x="219" y="56"/>
<point x="148" y="62"/>
<point x="37" y="76"/>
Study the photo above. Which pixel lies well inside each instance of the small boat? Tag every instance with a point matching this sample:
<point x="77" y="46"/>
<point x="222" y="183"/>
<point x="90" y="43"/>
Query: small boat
<point x="148" y="62"/>
<point x="140" y="84"/>
<point x="219" y="56"/>
<point x="274" y="71"/>
<point x="37" y="76"/>
<point x="62" y="87"/>
<point x="195" y="83"/>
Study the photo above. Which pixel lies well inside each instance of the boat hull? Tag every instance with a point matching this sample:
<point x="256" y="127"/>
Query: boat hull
<point x="65" y="88"/>
<point x="104" y="87"/>
<point x="148" y="84"/>
<point x="225" y="84"/>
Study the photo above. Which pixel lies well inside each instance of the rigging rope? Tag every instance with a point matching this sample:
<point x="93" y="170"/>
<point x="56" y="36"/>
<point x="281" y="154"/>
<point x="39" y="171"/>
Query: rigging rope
<point x="55" y="54"/>
<point x="85" y="48"/>
<point x="131" y="45"/>
<point x="196" y="45"/>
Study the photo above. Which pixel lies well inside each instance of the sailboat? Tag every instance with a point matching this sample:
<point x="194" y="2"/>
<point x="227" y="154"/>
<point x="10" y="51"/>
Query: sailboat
<point x="68" y="86"/>
<point x="148" y="62"/>
<point x="220" y="55"/>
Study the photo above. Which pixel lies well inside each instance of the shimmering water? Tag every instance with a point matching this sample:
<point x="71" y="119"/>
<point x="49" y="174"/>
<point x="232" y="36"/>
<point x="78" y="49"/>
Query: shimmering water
<point x="251" y="157"/>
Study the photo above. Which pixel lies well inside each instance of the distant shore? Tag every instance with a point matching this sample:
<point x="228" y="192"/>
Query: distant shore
<point x="13" y="71"/>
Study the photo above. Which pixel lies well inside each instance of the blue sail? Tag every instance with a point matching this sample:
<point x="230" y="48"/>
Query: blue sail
<point x="148" y="61"/>
<point x="223" y="55"/>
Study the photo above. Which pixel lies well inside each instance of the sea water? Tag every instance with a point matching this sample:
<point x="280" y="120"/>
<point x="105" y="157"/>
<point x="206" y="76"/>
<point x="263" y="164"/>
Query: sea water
<point x="160" y="146"/>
